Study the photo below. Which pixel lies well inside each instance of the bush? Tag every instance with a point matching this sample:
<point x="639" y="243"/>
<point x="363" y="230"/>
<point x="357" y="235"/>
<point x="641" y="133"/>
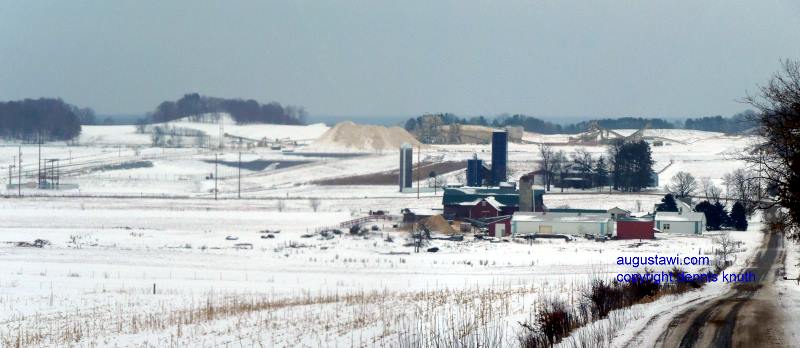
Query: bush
<point x="643" y="288"/>
<point x="554" y="321"/>
<point x="605" y="297"/>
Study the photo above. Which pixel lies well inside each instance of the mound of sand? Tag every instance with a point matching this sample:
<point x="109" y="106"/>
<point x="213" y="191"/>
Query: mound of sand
<point x="348" y="136"/>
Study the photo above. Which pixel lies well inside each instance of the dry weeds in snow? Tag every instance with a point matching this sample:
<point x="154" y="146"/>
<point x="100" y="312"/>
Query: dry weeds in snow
<point x="439" y="317"/>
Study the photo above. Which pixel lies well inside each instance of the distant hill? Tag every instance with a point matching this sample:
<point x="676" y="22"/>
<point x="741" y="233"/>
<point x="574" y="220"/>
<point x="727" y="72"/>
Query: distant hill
<point x="242" y="111"/>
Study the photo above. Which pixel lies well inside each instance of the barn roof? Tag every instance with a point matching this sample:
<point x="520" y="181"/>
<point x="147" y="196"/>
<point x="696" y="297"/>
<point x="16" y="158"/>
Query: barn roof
<point x="539" y="217"/>
<point x="577" y="211"/>
<point x="459" y="195"/>
<point x="493" y="202"/>
<point x="678" y="216"/>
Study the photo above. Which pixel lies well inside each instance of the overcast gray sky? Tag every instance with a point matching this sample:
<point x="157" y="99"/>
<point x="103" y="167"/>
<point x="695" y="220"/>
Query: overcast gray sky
<point x="559" y="58"/>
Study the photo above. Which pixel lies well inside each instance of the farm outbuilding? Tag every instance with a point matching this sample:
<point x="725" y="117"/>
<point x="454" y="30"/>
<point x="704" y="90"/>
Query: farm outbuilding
<point x="500" y="227"/>
<point x="617" y="212"/>
<point x="635" y="228"/>
<point x="681" y="222"/>
<point x="458" y="202"/>
<point x="484" y="207"/>
<point x="561" y="223"/>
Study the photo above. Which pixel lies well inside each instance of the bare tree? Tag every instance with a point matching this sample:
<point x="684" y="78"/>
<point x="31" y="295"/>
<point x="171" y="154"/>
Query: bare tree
<point x="776" y="158"/>
<point x="705" y="186"/>
<point x="559" y="165"/>
<point x="683" y="184"/>
<point x="742" y="186"/>
<point x="724" y="246"/>
<point x="714" y="193"/>
<point x="583" y="161"/>
<point x="582" y="158"/>
<point x="546" y="152"/>
<point x="314" y="203"/>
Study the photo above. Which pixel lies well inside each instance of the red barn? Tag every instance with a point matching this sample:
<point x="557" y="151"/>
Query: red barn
<point x="485" y="207"/>
<point x="489" y="210"/>
<point x="631" y="228"/>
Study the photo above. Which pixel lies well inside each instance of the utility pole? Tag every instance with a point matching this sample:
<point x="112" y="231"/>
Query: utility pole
<point x="239" y="194"/>
<point x="418" y="170"/>
<point x="216" y="165"/>
<point x="19" y="173"/>
<point x="11" y="172"/>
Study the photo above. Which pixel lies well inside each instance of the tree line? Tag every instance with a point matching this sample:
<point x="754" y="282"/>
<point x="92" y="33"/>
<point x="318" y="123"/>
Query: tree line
<point x="735" y="124"/>
<point x="242" y="111"/>
<point x="39" y="119"/>
<point x="628" y="166"/>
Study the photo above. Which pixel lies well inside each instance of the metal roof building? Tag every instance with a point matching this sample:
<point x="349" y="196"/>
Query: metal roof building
<point x="458" y="200"/>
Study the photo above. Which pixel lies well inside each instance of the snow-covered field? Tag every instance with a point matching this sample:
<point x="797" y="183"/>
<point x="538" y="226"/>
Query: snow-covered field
<point x="129" y="228"/>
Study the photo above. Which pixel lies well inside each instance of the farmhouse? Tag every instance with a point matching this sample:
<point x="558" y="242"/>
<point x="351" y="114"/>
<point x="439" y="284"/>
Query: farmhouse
<point x="593" y="222"/>
<point x="680" y="222"/>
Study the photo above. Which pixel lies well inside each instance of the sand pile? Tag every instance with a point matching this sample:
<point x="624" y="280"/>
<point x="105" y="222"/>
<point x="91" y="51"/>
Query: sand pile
<point x="437" y="223"/>
<point x="348" y="136"/>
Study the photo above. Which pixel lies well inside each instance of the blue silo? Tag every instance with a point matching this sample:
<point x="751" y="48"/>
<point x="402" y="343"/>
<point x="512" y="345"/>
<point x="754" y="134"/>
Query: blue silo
<point x="474" y="172"/>
<point x="499" y="156"/>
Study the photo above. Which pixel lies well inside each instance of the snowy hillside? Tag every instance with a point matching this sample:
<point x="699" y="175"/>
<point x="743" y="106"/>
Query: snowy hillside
<point x="128" y="135"/>
<point x="250" y="131"/>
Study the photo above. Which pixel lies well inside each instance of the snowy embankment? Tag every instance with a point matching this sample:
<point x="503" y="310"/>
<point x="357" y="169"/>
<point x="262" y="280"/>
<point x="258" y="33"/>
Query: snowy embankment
<point x="789" y="292"/>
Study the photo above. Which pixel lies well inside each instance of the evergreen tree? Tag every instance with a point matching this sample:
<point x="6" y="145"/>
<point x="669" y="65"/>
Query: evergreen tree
<point x="719" y="210"/>
<point x="738" y="217"/>
<point x="713" y="218"/>
<point x="601" y="172"/>
<point x="633" y="164"/>
<point x="668" y="203"/>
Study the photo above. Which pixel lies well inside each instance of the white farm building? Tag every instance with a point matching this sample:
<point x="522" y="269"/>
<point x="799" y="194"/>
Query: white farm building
<point x="570" y="223"/>
<point x="681" y="222"/>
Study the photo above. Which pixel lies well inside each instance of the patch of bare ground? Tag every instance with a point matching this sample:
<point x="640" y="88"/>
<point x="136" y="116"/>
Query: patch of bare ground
<point x="390" y="177"/>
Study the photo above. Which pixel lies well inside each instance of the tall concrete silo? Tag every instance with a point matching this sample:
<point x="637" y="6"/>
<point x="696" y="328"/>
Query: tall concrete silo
<point x="406" y="166"/>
